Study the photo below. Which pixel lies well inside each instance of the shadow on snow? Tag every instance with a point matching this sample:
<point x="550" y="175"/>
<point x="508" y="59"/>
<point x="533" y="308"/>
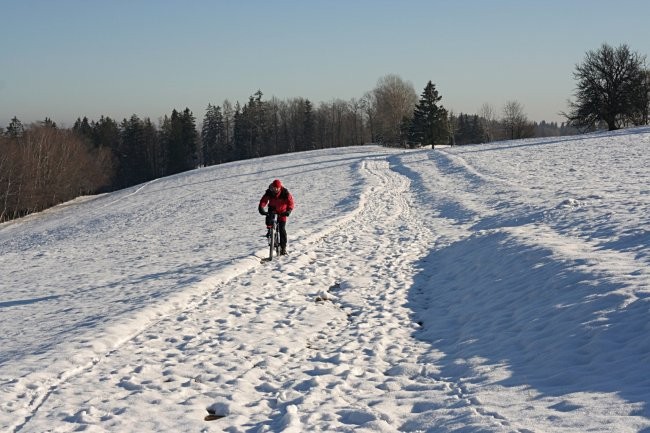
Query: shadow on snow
<point x="489" y="300"/>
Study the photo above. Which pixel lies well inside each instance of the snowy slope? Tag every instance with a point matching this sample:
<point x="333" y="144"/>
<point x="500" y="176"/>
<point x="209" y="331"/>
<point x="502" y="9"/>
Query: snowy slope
<point x="493" y="288"/>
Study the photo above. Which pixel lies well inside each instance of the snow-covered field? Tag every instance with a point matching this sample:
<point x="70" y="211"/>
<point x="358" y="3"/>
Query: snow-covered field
<point x="492" y="288"/>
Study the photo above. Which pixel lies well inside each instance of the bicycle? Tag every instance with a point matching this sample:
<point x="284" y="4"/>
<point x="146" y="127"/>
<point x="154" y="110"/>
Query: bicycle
<point x="274" y="238"/>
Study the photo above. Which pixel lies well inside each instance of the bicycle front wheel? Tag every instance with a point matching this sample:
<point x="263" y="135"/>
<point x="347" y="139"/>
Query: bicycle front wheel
<point x="277" y="241"/>
<point x="272" y="242"/>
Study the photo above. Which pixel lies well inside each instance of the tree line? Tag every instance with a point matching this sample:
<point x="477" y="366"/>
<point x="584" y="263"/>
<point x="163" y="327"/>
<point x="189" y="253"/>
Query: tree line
<point x="42" y="165"/>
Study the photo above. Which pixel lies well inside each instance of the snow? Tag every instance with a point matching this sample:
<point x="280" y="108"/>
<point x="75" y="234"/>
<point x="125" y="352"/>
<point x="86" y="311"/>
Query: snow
<point x="492" y="288"/>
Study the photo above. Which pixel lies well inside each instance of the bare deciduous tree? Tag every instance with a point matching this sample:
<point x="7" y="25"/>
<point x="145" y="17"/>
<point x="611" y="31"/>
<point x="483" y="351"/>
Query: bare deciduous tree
<point x="489" y="122"/>
<point x="46" y="166"/>
<point x="395" y="99"/>
<point x="369" y="107"/>
<point x="611" y="88"/>
<point x="515" y="121"/>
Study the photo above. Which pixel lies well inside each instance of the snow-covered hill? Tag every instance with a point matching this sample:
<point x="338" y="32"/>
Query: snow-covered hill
<point x="492" y="288"/>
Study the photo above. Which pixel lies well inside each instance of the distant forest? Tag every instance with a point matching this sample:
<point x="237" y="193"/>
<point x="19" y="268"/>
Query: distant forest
<point x="42" y="164"/>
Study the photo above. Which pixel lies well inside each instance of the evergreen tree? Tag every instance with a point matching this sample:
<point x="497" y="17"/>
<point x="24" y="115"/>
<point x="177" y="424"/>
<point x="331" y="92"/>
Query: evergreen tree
<point x="408" y="136"/>
<point x="469" y="130"/>
<point x="252" y="134"/>
<point x="83" y="128"/>
<point x="239" y="134"/>
<point x="208" y="135"/>
<point x="260" y="135"/>
<point x="106" y="133"/>
<point x="273" y="123"/>
<point x="245" y="131"/>
<point x="182" y="142"/>
<point x="479" y="135"/>
<point x="165" y="134"/>
<point x="153" y="152"/>
<point x="297" y="139"/>
<point x="15" y="128"/>
<point x="132" y="166"/>
<point x="213" y="136"/>
<point x="176" y="151"/>
<point x="308" y="126"/>
<point x="228" y="128"/>
<point x="253" y="128"/>
<point x="461" y="134"/>
<point x="190" y="138"/>
<point x="126" y="149"/>
<point x="48" y="123"/>
<point x="429" y="119"/>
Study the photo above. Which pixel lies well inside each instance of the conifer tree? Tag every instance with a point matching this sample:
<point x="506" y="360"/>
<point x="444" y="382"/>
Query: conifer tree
<point x="469" y="130"/>
<point x="239" y="134"/>
<point x="308" y="126"/>
<point x="429" y="119"/>
<point x="181" y="142"/>
<point x="228" y="127"/>
<point x="258" y="125"/>
<point x="83" y="128"/>
<point x="105" y="133"/>
<point x="15" y="128"/>
<point x="131" y="155"/>
<point x="189" y="136"/>
<point x="213" y="136"/>
<point x="153" y="153"/>
<point x="48" y="123"/>
<point x="164" y="139"/>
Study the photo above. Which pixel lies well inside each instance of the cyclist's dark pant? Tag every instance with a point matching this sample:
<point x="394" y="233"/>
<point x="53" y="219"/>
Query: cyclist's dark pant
<point x="282" y="225"/>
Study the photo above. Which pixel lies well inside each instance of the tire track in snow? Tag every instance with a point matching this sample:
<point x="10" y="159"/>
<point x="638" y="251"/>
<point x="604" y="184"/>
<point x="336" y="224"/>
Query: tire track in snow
<point x="37" y="387"/>
<point x="324" y="362"/>
<point x="535" y="231"/>
<point x="373" y="352"/>
<point x="620" y="275"/>
<point x="28" y="393"/>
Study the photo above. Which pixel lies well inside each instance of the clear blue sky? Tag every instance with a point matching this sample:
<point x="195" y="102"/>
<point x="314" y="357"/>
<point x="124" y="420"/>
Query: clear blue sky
<point x="65" y="59"/>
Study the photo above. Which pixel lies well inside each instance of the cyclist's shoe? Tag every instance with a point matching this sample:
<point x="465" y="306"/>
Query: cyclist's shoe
<point x="283" y="252"/>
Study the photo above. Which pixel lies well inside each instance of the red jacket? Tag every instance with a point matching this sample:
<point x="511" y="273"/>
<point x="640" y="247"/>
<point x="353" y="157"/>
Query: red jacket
<point x="280" y="203"/>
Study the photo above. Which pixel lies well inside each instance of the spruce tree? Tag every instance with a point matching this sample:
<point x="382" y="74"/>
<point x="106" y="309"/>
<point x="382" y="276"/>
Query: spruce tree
<point x="83" y="128"/>
<point x="131" y="155"/>
<point x="48" y="123"/>
<point x="429" y="119"/>
<point x="189" y="138"/>
<point x="106" y="133"/>
<point x="212" y="136"/>
<point x="228" y="131"/>
<point x="176" y="148"/>
<point x="152" y="149"/>
<point x="239" y="134"/>
<point x="308" y="126"/>
<point x="260" y="139"/>
<point x="15" y="128"/>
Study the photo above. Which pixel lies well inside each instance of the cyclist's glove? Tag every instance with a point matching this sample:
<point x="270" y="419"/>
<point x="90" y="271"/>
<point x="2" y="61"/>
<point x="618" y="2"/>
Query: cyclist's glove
<point x="287" y="213"/>
<point x="261" y="210"/>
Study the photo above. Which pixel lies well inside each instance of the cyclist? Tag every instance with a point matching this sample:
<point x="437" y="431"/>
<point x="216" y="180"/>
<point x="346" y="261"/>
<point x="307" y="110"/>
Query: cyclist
<point x="280" y="201"/>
